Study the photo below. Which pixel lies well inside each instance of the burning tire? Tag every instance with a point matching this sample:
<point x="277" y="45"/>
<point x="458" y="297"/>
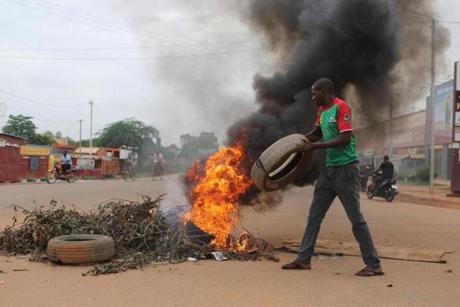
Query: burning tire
<point x="280" y="163"/>
<point x="79" y="249"/>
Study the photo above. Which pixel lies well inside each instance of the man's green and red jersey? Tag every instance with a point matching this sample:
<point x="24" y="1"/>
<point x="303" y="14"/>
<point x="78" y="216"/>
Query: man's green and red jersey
<point x="333" y="120"/>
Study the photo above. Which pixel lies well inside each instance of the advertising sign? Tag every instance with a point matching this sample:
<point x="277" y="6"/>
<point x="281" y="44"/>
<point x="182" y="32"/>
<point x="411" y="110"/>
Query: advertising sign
<point x="455" y="169"/>
<point x="83" y="163"/>
<point x="30" y="150"/>
<point x="443" y="108"/>
<point x="443" y="103"/>
<point x="457" y="101"/>
<point x="457" y="134"/>
<point x="457" y="70"/>
<point x="457" y="94"/>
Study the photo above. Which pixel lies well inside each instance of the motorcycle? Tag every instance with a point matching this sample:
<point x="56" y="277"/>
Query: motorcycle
<point x="57" y="173"/>
<point x="387" y="189"/>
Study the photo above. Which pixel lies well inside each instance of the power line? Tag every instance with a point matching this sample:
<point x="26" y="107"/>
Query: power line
<point x="90" y="19"/>
<point x="37" y="102"/>
<point x="129" y="48"/>
<point x="418" y="12"/>
<point x="423" y="14"/>
<point x="217" y="53"/>
<point x="448" y="22"/>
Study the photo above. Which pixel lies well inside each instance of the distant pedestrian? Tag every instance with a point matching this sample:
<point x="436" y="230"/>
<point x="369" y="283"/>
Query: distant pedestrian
<point x="133" y="160"/>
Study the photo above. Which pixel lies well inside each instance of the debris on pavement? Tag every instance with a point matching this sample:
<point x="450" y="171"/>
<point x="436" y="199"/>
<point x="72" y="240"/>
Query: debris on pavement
<point x="219" y="256"/>
<point x="142" y="234"/>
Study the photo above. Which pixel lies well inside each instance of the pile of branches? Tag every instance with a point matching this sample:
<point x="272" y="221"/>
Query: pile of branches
<point x="142" y="234"/>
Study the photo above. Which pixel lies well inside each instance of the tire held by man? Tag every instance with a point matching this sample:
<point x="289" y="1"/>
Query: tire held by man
<point x="281" y="163"/>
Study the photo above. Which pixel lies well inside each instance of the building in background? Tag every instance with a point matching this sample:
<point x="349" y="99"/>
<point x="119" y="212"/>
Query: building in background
<point x="21" y="161"/>
<point x="409" y="136"/>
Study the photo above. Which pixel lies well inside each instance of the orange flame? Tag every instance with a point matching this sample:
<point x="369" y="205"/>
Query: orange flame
<point x="216" y="194"/>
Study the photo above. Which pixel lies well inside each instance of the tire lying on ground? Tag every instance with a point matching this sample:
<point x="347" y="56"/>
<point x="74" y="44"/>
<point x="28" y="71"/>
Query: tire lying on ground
<point x="281" y="163"/>
<point x="80" y="249"/>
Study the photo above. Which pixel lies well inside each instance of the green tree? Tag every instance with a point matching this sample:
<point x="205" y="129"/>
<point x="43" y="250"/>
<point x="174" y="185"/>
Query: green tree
<point x="46" y="138"/>
<point x="23" y="126"/>
<point x="194" y="147"/>
<point x="20" y="125"/>
<point x="133" y="133"/>
<point x="128" y="132"/>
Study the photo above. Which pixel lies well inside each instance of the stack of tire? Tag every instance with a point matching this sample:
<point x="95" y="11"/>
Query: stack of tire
<point x="281" y="163"/>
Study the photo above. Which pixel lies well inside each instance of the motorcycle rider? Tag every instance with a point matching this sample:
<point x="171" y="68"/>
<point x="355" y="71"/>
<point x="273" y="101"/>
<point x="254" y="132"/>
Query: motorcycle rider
<point x="66" y="162"/>
<point x="385" y="172"/>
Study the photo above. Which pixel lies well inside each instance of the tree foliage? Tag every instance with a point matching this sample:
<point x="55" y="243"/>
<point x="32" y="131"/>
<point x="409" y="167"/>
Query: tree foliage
<point x="197" y="146"/>
<point x="46" y="138"/>
<point x="132" y="133"/>
<point x="129" y="132"/>
<point x="23" y="126"/>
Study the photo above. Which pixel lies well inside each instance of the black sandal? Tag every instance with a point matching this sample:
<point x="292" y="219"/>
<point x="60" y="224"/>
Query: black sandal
<point x="296" y="266"/>
<point x="369" y="271"/>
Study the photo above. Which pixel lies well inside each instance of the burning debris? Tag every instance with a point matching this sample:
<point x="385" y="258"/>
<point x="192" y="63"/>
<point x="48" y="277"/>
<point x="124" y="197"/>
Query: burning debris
<point x="142" y="235"/>
<point x="216" y="190"/>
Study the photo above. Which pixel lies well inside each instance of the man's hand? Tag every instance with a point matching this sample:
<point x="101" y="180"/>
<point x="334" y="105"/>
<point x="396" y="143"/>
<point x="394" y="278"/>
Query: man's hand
<point x="309" y="147"/>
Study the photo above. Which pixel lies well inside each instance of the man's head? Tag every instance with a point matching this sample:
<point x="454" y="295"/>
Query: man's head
<point x="386" y="158"/>
<point x="323" y="91"/>
<point x="65" y="152"/>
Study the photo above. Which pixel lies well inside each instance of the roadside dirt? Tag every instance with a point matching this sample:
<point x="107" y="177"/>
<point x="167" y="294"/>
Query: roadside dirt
<point x="331" y="282"/>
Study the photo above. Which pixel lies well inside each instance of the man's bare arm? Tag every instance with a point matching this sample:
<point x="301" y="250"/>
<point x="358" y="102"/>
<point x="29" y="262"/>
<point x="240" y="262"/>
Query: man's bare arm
<point x="341" y="140"/>
<point x="315" y="135"/>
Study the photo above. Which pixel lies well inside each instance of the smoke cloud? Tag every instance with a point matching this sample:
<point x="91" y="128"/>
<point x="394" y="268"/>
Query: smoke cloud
<point x="375" y="51"/>
<point x="375" y="47"/>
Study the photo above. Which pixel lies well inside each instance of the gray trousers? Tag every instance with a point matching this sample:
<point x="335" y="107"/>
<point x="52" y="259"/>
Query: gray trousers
<point x="342" y="181"/>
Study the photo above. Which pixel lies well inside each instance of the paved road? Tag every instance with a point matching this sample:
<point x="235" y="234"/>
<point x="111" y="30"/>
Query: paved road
<point x="330" y="283"/>
<point x="84" y="194"/>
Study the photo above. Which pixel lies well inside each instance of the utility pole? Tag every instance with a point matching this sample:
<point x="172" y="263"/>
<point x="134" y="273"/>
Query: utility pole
<point x="80" y="121"/>
<point x="433" y="90"/>
<point x="91" y="130"/>
<point x="433" y="98"/>
<point x="391" y="126"/>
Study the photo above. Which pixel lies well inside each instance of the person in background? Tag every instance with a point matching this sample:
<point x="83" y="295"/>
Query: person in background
<point x="386" y="171"/>
<point x="66" y="162"/>
<point x="133" y="159"/>
<point x="158" y="165"/>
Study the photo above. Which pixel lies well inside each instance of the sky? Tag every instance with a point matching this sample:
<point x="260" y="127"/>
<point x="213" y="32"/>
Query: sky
<point x="181" y="66"/>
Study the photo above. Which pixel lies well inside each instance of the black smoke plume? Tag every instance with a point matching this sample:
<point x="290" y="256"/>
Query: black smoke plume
<point x="358" y="43"/>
